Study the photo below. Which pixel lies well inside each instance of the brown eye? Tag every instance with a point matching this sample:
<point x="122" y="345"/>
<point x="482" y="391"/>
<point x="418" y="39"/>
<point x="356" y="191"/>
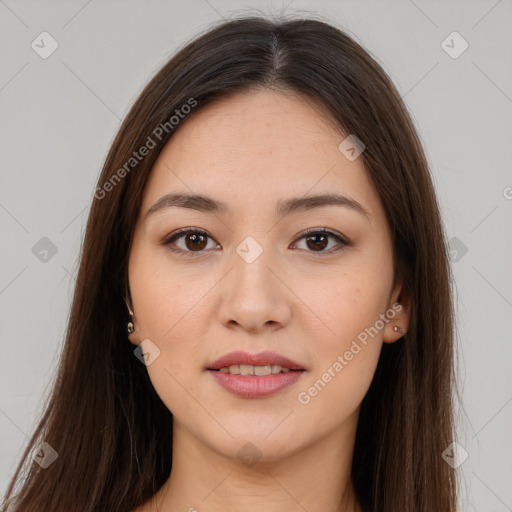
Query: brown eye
<point x="191" y="241"/>
<point x="194" y="241"/>
<point x="317" y="240"/>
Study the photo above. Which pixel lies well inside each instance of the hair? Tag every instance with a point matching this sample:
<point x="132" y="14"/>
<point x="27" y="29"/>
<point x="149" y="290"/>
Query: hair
<point x="112" y="432"/>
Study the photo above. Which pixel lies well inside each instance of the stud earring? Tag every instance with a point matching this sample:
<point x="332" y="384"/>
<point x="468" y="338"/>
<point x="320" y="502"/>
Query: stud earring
<point x="396" y="328"/>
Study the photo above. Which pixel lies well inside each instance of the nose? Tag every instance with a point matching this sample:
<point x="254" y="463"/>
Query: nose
<point x="254" y="295"/>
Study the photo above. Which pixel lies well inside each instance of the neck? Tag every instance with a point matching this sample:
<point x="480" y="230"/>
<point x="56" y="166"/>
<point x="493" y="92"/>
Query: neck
<point x="317" y="478"/>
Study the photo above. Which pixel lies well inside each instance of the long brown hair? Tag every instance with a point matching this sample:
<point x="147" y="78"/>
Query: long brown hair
<point x="111" y="431"/>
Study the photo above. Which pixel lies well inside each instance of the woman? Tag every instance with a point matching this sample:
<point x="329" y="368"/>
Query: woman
<point x="262" y="318"/>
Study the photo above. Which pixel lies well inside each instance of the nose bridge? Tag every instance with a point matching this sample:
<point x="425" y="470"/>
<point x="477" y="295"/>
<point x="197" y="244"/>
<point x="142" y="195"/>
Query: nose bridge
<point x="252" y="261"/>
<point x="253" y="294"/>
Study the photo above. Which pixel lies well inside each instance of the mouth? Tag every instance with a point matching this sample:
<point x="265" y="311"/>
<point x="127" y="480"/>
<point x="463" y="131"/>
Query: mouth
<point x="259" y="371"/>
<point x="255" y="375"/>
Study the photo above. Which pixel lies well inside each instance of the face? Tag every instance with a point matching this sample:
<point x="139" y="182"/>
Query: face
<point x="312" y="283"/>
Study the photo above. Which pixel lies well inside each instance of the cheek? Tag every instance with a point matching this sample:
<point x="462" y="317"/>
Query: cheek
<point x="168" y="300"/>
<point x="343" y="303"/>
<point x="346" y="344"/>
<point x="170" y="310"/>
<point x="347" y="353"/>
<point x="351" y="340"/>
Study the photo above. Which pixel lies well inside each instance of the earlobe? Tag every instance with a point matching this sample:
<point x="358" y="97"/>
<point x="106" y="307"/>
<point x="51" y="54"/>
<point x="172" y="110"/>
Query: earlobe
<point x="397" y="327"/>
<point x="399" y="320"/>
<point x="133" y="335"/>
<point x="134" y="338"/>
<point x="131" y="330"/>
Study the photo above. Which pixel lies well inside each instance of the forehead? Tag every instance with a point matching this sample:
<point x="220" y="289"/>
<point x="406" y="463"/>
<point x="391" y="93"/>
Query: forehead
<point x="260" y="120"/>
<point x="259" y="146"/>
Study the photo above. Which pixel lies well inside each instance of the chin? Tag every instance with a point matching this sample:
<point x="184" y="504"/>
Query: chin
<point x="252" y="444"/>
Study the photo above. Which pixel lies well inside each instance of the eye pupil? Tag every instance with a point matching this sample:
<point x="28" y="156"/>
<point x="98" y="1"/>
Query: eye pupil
<point x="195" y="240"/>
<point x="322" y="243"/>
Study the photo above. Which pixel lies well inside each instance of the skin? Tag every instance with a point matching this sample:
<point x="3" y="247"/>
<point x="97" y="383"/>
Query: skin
<point x="251" y="150"/>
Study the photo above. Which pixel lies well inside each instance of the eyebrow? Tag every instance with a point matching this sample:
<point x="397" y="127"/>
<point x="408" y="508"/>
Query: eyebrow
<point x="207" y="204"/>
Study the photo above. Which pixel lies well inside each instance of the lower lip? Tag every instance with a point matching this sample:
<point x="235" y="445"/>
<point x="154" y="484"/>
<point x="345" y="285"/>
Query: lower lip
<point x="253" y="386"/>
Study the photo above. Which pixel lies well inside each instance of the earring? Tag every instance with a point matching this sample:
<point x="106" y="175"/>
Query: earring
<point x="396" y="328"/>
<point x="129" y="326"/>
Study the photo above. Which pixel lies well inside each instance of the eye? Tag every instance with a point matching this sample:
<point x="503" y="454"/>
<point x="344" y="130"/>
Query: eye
<point x="194" y="240"/>
<point x="318" y="239"/>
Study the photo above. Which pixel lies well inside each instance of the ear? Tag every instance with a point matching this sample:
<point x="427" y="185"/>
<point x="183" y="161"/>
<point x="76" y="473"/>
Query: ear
<point x="134" y="336"/>
<point x="398" y="314"/>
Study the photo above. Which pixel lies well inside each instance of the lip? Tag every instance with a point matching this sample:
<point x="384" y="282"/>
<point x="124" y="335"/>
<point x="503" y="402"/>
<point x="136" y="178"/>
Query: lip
<point x="261" y="359"/>
<point x="252" y="386"/>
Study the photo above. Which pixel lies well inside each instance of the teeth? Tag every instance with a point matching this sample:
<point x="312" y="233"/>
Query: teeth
<point x="263" y="370"/>
<point x="248" y="369"/>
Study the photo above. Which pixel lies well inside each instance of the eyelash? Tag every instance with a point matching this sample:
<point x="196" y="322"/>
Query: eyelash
<point x="313" y="231"/>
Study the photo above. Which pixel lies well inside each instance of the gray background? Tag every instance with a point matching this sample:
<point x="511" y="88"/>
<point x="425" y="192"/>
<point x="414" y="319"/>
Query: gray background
<point x="60" y="114"/>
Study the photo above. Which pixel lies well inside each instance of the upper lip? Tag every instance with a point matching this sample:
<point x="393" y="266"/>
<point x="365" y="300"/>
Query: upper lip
<point x="261" y="359"/>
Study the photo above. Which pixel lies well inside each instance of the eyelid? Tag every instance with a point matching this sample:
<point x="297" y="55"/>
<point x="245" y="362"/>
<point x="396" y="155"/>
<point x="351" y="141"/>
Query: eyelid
<point x="333" y="234"/>
<point x="181" y="232"/>
<point x="341" y="239"/>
